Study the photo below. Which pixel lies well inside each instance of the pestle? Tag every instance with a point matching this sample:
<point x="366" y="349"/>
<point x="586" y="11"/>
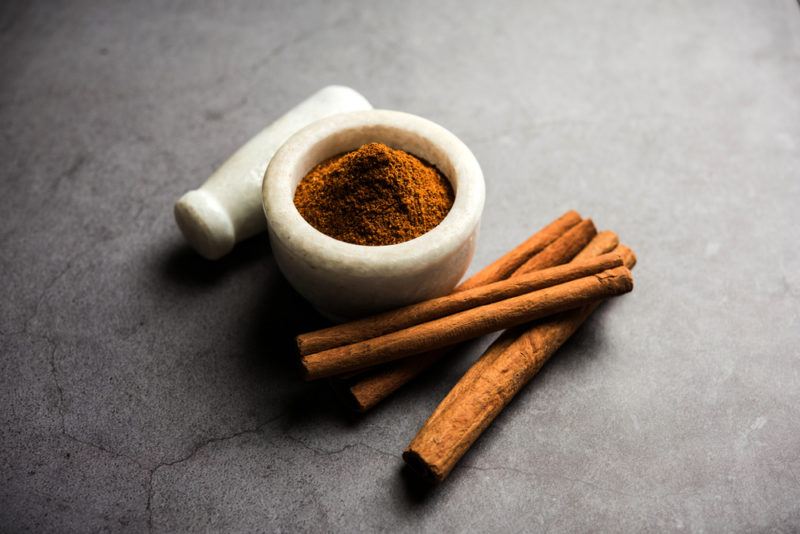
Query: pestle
<point x="227" y="207"/>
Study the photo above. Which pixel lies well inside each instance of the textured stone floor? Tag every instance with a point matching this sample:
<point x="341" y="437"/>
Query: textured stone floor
<point x="142" y="388"/>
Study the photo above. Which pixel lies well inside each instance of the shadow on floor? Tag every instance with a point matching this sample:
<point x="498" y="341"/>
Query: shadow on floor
<point x="259" y="337"/>
<point x="182" y="265"/>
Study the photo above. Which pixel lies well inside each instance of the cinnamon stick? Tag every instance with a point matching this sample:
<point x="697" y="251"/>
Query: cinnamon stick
<point x="363" y="391"/>
<point x="603" y="243"/>
<point x="488" y="386"/>
<point x="467" y="324"/>
<point x="502" y="268"/>
<point x="391" y="321"/>
<point x="562" y="249"/>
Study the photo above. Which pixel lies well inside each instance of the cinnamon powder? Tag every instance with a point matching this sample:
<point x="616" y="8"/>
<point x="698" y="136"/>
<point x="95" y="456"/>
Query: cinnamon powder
<point x="375" y="195"/>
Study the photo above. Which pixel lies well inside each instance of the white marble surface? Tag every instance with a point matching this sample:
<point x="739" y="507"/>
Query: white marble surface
<point x="142" y="388"/>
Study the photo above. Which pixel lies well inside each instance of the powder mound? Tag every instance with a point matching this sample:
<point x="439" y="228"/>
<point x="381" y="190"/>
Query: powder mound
<point x="375" y="195"/>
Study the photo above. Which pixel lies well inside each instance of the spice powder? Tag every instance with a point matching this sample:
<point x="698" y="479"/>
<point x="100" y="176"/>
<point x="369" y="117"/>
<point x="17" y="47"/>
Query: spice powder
<point x="375" y="195"/>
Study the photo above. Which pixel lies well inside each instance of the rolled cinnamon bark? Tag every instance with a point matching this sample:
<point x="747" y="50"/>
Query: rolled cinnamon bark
<point x="562" y="249"/>
<point x="364" y="390"/>
<point x="502" y="268"/>
<point x="488" y="386"/>
<point x="603" y="243"/>
<point x="391" y="321"/>
<point x="467" y="324"/>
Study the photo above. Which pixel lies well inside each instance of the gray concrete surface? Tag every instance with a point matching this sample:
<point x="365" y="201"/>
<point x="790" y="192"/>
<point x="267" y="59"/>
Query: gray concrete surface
<point x="142" y="388"/>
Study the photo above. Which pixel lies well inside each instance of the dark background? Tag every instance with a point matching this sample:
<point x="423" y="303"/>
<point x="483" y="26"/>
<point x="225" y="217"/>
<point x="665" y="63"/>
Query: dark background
<point x="142" y="387"/>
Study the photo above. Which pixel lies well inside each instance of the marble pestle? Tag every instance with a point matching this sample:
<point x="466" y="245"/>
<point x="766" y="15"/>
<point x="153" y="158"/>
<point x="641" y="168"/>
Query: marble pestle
<point x="227" y="207"/>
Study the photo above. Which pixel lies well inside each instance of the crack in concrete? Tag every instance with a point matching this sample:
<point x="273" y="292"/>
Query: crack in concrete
<point x="148" y="509"/>
<point x="45" y="291"/>
<point x="327" y="452"/>
<point x="196" y="449"/>
<point x="104" y="449"/>
<point x="26" y="327"/>
<point x="60" y="410"/>
<point x="77" y="164"/>
<point x="199" y="446"/>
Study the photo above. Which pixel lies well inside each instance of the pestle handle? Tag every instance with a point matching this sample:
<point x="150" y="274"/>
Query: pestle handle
<point x="227" y="207"/>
